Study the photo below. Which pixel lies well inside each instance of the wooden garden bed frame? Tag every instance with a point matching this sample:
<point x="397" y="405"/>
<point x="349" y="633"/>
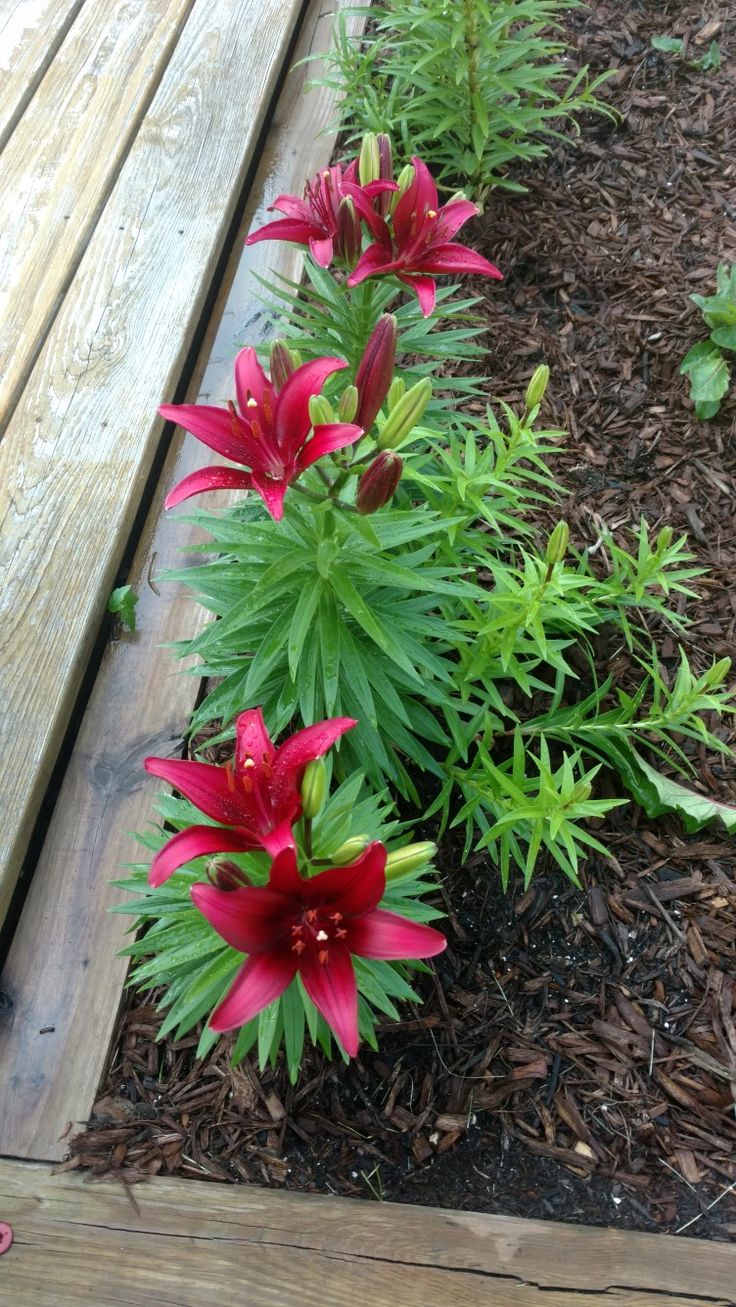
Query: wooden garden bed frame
<point x="174" y="1241"/>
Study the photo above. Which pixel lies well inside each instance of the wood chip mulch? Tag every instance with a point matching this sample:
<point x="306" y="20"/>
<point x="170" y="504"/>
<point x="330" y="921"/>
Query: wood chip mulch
<point x="576" y="1055"/>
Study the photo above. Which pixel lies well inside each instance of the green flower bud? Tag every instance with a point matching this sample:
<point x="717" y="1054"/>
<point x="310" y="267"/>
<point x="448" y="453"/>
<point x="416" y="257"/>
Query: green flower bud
<point x="664" y="539"/>
<point x="282" y="363"/>
<point x="403" y="181"/>
<point x="369" y="161"/>
<point x="403" y="862"/>
<point x="397" y="390"/>
<point x="314" y="786"/>
<point x="320" y="410"/>
<point x="348" y="406"/>
<point x="557" y="544"/>
<point x="537" y="386"/>
<point x="716" y="674"/>
<point x="405" y="414"/>
<point x="350" y="850"/>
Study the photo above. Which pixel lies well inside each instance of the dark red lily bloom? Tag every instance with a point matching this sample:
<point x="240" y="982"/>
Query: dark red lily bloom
<point x="310" y="926"/>
<point x="257" y="795"/>
<point x="268" y="436"/>
<point x="422" y="245"/>
<point x="315" y="220"/>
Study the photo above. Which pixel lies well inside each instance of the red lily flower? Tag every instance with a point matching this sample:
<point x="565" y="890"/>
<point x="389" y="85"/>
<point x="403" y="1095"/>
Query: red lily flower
<point x="422" y="244"/>
<point x="268" y="436"/>
<point x="257" y="795"/>
<point x="315" y="220"/>
<point x="310" y="926"/>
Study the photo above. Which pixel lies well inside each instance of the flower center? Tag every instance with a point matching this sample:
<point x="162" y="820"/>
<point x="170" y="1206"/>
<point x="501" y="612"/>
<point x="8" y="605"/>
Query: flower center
<point x="317" y="929"/>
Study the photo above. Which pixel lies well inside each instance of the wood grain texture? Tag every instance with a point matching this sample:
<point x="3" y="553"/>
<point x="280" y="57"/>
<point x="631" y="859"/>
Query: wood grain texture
<point x="184" y="1243"/>
<point x="31" y="32"/>
<point x="79" y="446"/>
<point x="139" y="705"/>
<point x="63" y="158"/>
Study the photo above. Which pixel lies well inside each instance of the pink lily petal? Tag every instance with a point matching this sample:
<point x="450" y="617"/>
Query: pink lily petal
<point x="453" y="216"/>
<point x="293" y="207"/>
<point x="327" y="437"/>
<point x="250" y="380"/>
<point x="320" y="247"/>
<point x="425" y="289"/>
<point x="213" y="426"/>
<point x="250" y="919"/>
<point x="385" y="935"/>
<point x="282" y="836"/>
<point x="376" y="223"/>
<point x="272" y="493"/>
<point x="193" y="843"/>
<point x="292" y="421"/>
<point x="333" y="990"/>
<point x="452" y="258"/>
<point x="296" y="230"/>
<point x="252" y="740"/>
<point x="374" y="262"/>
<point x="284" y="875"/>
<point x="208" y="478"/>
<point x="206" y="786"/>
<point x="351" y="890"/>
<point x="263" y="978"/>
<point x="303" y="747"/>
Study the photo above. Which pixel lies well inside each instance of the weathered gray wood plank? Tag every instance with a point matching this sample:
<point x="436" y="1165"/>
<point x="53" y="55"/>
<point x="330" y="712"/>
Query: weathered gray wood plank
<point x="79" y="446"/>
<point x="138" y="705"/>
<point x="31" y="32"/>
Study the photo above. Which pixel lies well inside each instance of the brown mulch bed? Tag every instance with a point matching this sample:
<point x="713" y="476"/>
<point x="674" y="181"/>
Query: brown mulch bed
<point x="576" y="1056"/>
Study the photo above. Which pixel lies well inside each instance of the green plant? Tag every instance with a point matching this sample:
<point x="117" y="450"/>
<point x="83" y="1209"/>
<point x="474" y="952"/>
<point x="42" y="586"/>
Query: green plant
<point x="705" y="364"/>
<point x="708" y="62"/>
<point x="472" y="85"/>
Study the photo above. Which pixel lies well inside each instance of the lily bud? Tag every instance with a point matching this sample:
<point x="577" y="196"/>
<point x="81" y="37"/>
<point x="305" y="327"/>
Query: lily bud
<point x="314" y="786"/>
<point x="376" y="370"/>
<point x="348" y="406"/>
<point x="403" y="862"/>
<point x="404" y="181"/>
<point x="397" y="390"/>
<point x="378" y="482"/>
<point x="717" y="674"/>
<point x="664" y="539"/>
<point x="350" y="850"/>
<point x="537" y="386"/>
<point x="226" y="875"/>
<point x="405" y="414"/>
<point x="386" y="173"/>
<point x="557" y="544"/>
<point x="349" y="234"/>
<point x="282" y="363"/>
<point x="369" y="161"/>
<point x="320" y="410"/>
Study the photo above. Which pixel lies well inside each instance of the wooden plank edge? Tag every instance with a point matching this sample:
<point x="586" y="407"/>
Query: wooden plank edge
<point x="139" y="704"/>
<point x="27" y="70"/>
<point x="240" y="1240"/>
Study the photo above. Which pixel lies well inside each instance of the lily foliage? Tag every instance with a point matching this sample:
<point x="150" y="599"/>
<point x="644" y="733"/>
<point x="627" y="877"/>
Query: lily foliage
<point x="385" y="590"/>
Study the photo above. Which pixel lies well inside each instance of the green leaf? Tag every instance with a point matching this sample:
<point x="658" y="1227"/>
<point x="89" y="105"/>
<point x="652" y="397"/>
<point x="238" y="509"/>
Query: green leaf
<point x="669" y="44"/>
<point x="658" y="794"/>
<point x="708" y="372"/>
<point x="123" y="601"/>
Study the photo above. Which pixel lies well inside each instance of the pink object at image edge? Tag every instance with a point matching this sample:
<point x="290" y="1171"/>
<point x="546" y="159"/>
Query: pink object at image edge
<point x="6" y="1237"/>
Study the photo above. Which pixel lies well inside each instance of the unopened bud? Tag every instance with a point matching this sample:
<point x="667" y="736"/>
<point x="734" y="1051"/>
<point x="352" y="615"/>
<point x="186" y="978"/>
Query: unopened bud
<point x="557" y="544"/>
<point x="717" y="674"/>
<point x="282" y="363"/>
<point x="405" y="414"/>
<point x="378" y="482"/>
<point x="320" y="410"/>
<point x="397" y="390"/>
<point x="350" y="850"/>
<point x="369" y="161"/>
<point x="386" y="173"/>
<point x="376" y="370"/>
<point x="404" y="862"/>
<point x="404" y="181"/>
<point x="226" y="875"/>
<point x="537" y="386"/>
<point x="664" y="539"/>
<point x="314" y="786"/>
<point x="580" y="792"/>
<point x="349" y="234"/>
<point x="348" y="406"/>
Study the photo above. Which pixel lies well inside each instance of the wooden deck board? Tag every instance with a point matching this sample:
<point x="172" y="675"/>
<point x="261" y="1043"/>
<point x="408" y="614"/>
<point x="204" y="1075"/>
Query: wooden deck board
<point x="183" y="1243"/>
<point x="31" y="32"/>
<point x="138" y="705"/>
<point x="79" y="446"/>
<point x="63" y="158"/>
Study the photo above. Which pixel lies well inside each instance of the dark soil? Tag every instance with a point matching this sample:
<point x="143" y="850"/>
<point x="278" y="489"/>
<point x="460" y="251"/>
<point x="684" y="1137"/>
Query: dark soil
<point x="576" y="1055"/>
